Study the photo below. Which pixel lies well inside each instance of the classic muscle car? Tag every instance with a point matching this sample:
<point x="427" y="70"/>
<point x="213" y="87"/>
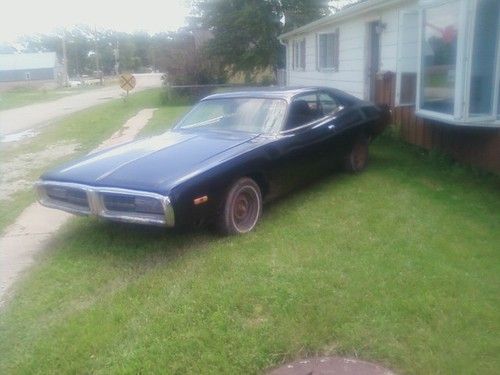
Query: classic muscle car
<point x="220" y="162"/>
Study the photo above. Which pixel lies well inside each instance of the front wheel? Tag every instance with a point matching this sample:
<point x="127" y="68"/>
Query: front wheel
<point x="357" y="158"/>
<point x="241" y="209"/>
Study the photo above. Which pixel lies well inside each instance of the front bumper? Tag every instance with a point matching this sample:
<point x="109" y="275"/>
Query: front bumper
<point x="107" y="202"/>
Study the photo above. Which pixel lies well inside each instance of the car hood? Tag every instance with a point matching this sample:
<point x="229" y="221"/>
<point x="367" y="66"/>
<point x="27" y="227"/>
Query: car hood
<point x="154" y="163"/>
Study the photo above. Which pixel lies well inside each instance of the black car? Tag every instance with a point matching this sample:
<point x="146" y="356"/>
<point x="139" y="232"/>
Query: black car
<point x="220" y="162"/>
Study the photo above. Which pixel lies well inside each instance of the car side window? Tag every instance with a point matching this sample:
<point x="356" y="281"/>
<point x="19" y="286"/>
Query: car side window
<point x="327" y="103"/>
<point x="303" y="109"/>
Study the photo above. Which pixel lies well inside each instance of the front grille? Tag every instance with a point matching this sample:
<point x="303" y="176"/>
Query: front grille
<point x="109" y="203"/>
<point x="76" y="197"/>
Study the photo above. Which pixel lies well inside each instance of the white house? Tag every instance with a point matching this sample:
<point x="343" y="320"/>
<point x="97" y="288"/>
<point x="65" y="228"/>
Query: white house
<point x="444" y="53"/>
<point x="442" y="58"/>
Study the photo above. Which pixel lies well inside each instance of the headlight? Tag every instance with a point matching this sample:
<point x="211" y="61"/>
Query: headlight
<point x="148" y="205"/>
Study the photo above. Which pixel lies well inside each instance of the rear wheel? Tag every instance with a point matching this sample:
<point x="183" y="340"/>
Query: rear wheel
<point x="242" y="207"/>
<point x="357" y="158"/>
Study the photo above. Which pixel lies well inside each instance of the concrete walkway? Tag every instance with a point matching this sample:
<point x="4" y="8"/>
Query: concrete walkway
<point x="25" y="238"/>
<point x="34" y="116"/>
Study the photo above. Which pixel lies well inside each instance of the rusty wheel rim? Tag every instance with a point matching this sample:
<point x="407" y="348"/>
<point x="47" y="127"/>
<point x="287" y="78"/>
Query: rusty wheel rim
<point x="359" y="156"/>
<point x="245" y="209"/>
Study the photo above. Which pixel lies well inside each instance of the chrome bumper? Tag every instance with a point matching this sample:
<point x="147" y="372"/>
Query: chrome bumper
<point x="91" y="201"/>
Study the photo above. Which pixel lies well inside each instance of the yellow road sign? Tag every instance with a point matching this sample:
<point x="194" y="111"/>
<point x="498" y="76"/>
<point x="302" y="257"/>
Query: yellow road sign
<point x="127" y="81"/>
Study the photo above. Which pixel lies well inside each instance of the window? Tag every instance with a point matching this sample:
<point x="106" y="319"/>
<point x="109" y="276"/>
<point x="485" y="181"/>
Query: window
<point x="310" y="107"/>
<point x="407" y="60"/>
<point x="327" y="103"/>
<point x="439" y="58"/>
<point x="299" y="54"/>
<point x="252" y="115"/>
<point x="484" y="50"/>
<point x="303" y="109"/>
<point x="328" y="51"/>
<point x="498" y="100"/>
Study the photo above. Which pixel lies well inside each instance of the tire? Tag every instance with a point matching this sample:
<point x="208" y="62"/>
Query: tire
<point x="241" y="209"/>
<point x="357" y="158"/>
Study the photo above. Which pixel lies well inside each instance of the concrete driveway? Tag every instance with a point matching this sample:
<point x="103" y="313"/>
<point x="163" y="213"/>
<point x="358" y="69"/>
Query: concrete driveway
<point x="32" y="117"/>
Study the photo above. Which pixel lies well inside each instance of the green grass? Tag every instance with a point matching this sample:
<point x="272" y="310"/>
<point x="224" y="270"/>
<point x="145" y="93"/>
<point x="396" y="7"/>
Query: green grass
<point x="23" y="96"/>
<point x="399" y="265"/>
<point x="163" y="119"/>
<point x="88" y="128"/>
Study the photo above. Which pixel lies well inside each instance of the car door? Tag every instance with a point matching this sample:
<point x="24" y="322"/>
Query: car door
<point x="302" y="149"/>
<point x="313" y="134"/>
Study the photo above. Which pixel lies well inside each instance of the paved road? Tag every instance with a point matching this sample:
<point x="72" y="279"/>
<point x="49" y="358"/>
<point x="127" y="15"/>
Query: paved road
<point x="34" y="116"/>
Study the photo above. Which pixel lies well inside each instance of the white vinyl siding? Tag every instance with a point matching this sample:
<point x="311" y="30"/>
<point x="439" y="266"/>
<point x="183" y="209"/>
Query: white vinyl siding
<point x="350" y="73"/>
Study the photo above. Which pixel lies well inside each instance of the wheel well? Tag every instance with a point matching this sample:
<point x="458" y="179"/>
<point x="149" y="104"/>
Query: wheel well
<point x="261" y="180"/>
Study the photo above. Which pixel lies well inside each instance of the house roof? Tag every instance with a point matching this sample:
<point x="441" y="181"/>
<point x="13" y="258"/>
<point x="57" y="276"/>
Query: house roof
<point x="24" y="61"/>
<point x="346" y="12"/>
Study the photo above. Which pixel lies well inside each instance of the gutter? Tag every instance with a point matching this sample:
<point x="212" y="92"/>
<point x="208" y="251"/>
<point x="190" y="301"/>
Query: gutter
<point x="341" y="15"/>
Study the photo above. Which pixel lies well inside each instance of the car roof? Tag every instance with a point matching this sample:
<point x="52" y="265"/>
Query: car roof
<point x="286" y="93"/>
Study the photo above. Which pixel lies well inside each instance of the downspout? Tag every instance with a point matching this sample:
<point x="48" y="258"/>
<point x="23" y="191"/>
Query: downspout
<point x="286" y="59"/>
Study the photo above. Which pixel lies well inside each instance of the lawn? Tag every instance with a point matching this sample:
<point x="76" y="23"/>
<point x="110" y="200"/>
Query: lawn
<point x="399" y="265"/>
<point x="85" y="130"/>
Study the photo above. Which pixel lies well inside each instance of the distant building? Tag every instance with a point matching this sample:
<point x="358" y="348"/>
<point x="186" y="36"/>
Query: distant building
<point x="29" y="68"/>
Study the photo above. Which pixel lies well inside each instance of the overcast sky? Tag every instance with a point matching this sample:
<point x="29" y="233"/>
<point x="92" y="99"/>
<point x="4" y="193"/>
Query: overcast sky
<point x="25" y="17"/>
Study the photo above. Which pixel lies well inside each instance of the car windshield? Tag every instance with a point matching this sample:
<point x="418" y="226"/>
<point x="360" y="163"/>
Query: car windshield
<point x="251" y="115"/>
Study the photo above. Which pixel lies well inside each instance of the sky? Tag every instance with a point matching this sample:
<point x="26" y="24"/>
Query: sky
<point x="26" y="17"/>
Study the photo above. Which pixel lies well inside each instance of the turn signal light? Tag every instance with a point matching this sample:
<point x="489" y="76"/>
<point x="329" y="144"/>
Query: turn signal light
<point x="200" y="200"/>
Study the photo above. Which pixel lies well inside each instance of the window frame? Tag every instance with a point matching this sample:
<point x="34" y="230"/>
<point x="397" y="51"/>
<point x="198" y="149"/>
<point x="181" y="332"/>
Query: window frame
<point x="299" y="54"/>
<point x="468" y="71"/>
<point x="324" y="118"/>
<point x="399" y="72"/>
<point x="465" y="37"/>
<point x="335" y="53"/>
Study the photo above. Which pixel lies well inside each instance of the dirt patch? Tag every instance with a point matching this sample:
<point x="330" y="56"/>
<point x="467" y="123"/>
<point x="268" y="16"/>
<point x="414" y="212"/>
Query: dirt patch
<point x="15" y="173"/>
<point x="330" y="365"/>
<point x="129" y="130"/>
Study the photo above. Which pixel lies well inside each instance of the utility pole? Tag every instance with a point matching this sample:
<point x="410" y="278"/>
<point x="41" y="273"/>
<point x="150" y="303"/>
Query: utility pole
<point x="116" y="53"/>
<point x="96" y="54"/>
<point x="65" y="80"/>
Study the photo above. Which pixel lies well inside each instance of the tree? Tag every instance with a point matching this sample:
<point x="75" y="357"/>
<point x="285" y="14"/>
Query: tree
<point x="246" y="31"/>
<point x="185" y="60"/>
<point x="297" y="13"/>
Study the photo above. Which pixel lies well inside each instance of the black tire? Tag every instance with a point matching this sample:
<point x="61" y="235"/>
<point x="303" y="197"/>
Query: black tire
<point x="241" y="209"/>
<point x="356" y="160"/>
